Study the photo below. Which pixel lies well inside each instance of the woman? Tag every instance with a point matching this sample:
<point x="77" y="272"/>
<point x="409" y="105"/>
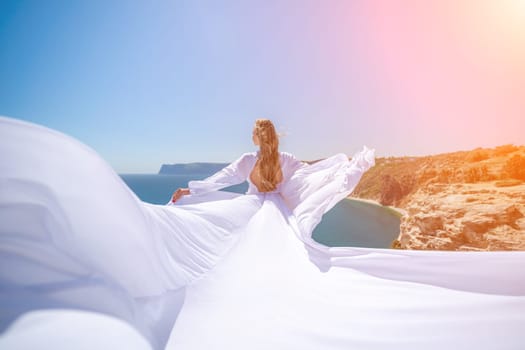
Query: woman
<point x="302" y="193"/>
<point x="222" y="270"/>
<point x="266" y="172"/>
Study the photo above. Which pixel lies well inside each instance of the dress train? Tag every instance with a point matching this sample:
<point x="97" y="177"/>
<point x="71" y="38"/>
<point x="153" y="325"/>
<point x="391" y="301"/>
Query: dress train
<point x="225" y="270"/>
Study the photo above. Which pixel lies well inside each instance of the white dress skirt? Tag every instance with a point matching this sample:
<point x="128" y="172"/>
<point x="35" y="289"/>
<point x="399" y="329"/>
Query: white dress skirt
<point x="83" y="261"/>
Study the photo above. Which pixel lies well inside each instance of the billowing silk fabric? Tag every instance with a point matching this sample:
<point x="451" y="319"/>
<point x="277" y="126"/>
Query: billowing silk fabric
<point x="85" y="264"/>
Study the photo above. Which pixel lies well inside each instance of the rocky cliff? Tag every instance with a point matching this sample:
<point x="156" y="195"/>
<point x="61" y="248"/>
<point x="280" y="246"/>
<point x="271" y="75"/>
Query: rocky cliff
<point x="470" y="200"/>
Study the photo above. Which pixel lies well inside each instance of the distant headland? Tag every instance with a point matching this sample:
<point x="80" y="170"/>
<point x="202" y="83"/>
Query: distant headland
<point x="191" y="168"/>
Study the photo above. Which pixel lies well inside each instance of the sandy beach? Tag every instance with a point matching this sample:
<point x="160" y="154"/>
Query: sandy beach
<point x="399" y="211"/>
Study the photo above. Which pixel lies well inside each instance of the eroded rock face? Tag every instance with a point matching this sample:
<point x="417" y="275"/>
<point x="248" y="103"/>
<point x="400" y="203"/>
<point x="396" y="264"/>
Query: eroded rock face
<point x="391" y="191"/>
<point x="464" y="217"/>
<point x="465" y="200"/>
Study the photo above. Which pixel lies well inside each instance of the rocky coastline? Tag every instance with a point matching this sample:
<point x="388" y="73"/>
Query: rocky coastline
<point x="469" y="200"/>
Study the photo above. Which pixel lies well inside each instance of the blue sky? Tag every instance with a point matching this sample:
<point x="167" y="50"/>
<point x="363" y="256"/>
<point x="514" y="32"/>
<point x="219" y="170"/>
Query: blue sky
<point x="146" y="83"/>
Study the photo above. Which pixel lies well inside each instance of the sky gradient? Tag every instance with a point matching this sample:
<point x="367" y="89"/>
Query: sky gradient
<point x="146" y="83"/>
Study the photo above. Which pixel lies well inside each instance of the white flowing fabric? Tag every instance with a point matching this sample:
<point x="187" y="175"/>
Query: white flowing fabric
<point x="221" y="270"/>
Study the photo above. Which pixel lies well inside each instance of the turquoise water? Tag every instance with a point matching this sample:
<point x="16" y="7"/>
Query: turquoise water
<point x="349" y="223"/>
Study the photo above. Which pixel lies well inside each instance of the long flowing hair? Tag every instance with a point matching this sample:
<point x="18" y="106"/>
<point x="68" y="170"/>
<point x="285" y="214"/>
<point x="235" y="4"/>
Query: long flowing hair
<point x="268" y="167"/>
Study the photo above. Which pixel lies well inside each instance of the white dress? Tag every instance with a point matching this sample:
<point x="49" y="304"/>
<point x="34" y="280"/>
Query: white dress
<point x="221" y="270"/>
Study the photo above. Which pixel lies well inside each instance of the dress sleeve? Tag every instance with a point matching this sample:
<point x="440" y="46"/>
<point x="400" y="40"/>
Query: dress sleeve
<point x="314" y="189"/>
<point x="233" y="174"/>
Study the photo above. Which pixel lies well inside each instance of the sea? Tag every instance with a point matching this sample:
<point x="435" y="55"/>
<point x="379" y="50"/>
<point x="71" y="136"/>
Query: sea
<point x="350" y="223"/>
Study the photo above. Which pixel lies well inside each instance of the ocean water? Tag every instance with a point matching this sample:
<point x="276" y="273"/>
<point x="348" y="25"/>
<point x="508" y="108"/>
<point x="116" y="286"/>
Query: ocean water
<point x="349" y="223"/>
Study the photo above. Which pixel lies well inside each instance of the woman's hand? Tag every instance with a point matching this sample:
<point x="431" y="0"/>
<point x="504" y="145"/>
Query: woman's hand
<point x="179" y="193"/>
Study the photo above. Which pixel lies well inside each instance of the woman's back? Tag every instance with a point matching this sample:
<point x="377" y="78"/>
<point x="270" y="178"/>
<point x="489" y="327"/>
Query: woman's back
<point x="288" y="164"/>
<point x="257" y="179"/>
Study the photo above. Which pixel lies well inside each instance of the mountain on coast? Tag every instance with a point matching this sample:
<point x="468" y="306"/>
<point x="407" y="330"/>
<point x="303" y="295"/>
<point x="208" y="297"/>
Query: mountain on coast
<point x="467" y="200"/>
<point x="191" y="168"/>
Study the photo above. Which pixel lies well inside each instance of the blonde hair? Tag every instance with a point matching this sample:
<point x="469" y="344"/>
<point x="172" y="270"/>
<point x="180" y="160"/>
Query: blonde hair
<point x="268" y="165"/>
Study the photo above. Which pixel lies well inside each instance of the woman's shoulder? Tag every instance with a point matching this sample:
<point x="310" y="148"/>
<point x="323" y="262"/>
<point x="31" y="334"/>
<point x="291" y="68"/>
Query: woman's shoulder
<point x="249" y="155"/>
<point x="287" y="157"/>
<point x="289" y="161"/>
<point x="247" y="158"/>
<point x="254" y="154"/>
